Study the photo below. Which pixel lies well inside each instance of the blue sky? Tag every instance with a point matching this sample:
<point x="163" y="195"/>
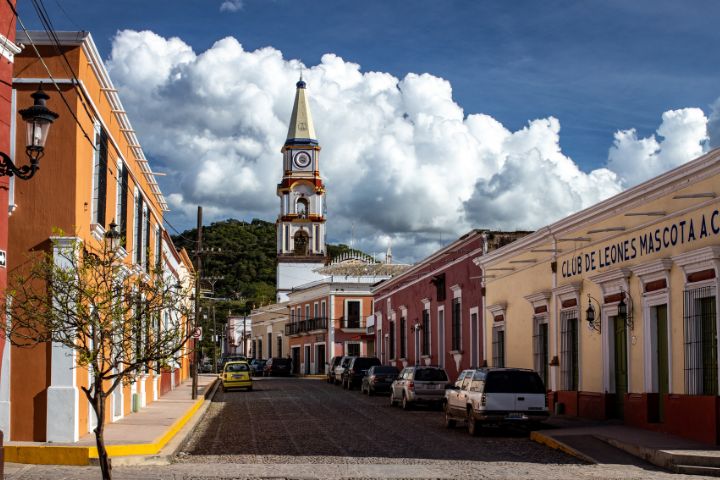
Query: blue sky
<point x="599" y="67"/>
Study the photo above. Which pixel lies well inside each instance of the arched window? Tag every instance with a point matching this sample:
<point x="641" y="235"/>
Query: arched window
<point x="301" y="243"/>
<point x="302" y="208"/>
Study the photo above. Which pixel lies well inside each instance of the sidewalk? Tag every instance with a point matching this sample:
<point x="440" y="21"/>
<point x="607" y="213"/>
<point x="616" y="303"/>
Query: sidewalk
<point x="605" y="442"/>
<point x="144" y="433"/>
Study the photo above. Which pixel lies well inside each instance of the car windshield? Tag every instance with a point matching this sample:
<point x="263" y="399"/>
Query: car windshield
<point x="514" y="382"/>
<point x="386" y="370"/>
<point x="366" y="362"/>
<point x="281" y="361"/>
<point x="430" y="375"/>
<point x="236" y="367"/>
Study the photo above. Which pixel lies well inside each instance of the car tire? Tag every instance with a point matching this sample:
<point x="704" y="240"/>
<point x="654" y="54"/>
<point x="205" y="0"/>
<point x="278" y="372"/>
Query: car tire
<point x="406" y="405"/>
<point x="449" y="421"/>
<point x="392" y="399"/>
<point x="472" y="425"/>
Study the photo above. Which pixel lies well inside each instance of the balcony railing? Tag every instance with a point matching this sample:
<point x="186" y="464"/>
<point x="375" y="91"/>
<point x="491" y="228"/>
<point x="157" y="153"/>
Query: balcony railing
<point x="352" y="323"/>
<point x="303" y="326"/>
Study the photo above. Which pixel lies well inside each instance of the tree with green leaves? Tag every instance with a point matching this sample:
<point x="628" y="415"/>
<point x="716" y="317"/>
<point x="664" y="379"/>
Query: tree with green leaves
<point x="117" y="319"/>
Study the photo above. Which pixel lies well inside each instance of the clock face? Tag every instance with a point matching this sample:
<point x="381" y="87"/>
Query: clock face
<point x="302" y="159"/>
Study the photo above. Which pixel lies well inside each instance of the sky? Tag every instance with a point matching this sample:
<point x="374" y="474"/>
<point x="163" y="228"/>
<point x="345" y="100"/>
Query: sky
<point x="435" y="117"/>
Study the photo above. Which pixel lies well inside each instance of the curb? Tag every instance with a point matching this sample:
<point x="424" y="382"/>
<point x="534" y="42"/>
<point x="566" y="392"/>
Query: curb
<point x="556" y="444"/>
<point x="71" y="455"/>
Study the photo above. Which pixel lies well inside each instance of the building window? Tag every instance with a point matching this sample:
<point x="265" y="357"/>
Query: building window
<point x="316" y="238"/>
<point x="353" y="349"/>
<point x="138" y="229"/>
<point x="287" y="239"/>
<point x="292" y="316"/>
<point x="121" y="201"/>
<point x="403" y="338"/>
<point x="323" y="309"/>
<point x="270" y="354"/>
<point x="456" y="325"/>
<point x="569" y="349"/>
<point x="302" y="208"/>
<point x="498" y="346"/>
<point x="391" y="347"/>
<point x="352" y="319"/>
<point x="253" y="349"/>
<point x="298" y="313"/>
<point x="279" y="346"/>
<point x="259" y="348"/>
<point x="439" y="282"/>
<point x="146" y="239"/>
<point x="316" y="313"/>
<point x="540" y="346"/>
<point x="426" y="332"/>
<point x="701" y="361"/>
<point x="158" y="248"/>
<point x="307" y="312"/>
<point x="99" y="197"/>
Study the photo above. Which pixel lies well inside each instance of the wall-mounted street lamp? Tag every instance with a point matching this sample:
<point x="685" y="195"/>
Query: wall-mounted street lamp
<point x="112" y="236"/>
<point x="623" y="311"/>
<point x="594" y="319"/>
<point x="38" y="119"/>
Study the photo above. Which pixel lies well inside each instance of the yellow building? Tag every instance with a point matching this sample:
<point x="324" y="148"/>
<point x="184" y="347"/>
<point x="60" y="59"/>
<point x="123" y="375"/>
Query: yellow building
<point x="94" y="171"/>
<point x="616" y="305"/>
<point x="268" y="337"/>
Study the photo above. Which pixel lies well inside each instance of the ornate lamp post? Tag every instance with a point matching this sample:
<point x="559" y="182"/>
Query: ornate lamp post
<point x="38" y="119"/>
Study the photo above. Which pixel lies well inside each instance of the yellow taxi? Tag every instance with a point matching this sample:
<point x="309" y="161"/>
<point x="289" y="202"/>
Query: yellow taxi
<point x="236" y="375"/>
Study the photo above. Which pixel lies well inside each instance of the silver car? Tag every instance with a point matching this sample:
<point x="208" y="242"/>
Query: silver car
<point x="419" y="384"/>
<point x="340" y="369"/>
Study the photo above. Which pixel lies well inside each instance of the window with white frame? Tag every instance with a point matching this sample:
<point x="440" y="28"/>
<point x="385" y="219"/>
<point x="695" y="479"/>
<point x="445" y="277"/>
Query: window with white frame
<point x="353" y="349"/>
<point x="121" y="199"/>
<point x="700" y="328"/>
<point x="391" y="340"/>
<point x="456" y="333"/>
<point x="99" y="178"/>
<point x="403" y="337"/>
<point x="426" y="331"/>
<point x="569" y="349"/>
<point x="352" y="314"/>
<point x="540" y="346"/>
<point x="498" y="345"/>
<point x="323" y="309"/>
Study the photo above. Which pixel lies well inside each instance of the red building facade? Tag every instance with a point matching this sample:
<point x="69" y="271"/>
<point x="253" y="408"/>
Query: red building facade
<point x="432" y="313"/>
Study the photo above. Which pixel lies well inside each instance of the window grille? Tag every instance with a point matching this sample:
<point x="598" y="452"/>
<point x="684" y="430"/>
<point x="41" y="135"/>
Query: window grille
<point x="426" y="332"/>
<point x="498" y="347"/>
<point x="701" y="377"/>
<point x="569" y="347"/>
<point x="391" y="348"/>
<point x="456" y="325"/>
<point x="540" y="346"/>
<point x="403" y="338"/>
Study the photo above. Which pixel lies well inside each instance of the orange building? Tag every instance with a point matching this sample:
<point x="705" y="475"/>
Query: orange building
<point x="327" y="318"/>
<point x="94" y="171"/>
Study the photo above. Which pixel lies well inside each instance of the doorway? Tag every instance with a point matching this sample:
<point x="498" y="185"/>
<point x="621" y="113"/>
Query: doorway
<point x="295" y="360"/>
<point x="659" y="316"/>
<point x="320" y="359"/>
<point x="307" y="359"/>
<point x="619" y="356"/>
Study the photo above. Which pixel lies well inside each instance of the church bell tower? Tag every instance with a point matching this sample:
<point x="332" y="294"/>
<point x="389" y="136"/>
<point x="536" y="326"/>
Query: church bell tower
<point x="301" y="223"/>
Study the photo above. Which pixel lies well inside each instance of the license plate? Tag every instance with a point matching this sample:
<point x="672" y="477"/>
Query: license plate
<point x="516" y="415"/>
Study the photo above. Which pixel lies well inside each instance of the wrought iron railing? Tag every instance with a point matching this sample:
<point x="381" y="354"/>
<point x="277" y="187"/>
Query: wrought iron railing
<point x="303" y="326"/>
<point x="352" y="322"/>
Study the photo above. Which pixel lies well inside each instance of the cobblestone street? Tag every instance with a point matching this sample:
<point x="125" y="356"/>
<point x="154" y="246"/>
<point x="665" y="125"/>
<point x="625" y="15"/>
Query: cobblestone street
<point x="298" y="428"/>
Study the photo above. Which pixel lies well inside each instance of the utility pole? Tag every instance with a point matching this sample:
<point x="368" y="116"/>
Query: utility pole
<point x="198" y="275"/>
<point x="216" y="337"/>
<point x="244" y="340"/>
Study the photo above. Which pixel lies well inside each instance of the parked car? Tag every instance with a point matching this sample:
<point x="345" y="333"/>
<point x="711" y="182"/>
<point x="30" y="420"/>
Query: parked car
<point x="496" y="396"/>
<point x="206" y="366"/>
<point x="344" y="362"/>
<point x="236" y="375"/>
<point x="356" y="370"/>
<point x="334" y="362"/>
<point x="277" y="366"/>
<point x="231" y="358"/>
<point x="378" y="379"/>
<point x="256" y="366"/>
<point x="419" y="384"/>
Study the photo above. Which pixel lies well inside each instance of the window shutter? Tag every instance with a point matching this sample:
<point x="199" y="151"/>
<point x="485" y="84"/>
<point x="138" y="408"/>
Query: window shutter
<point x="147" y="242"/>
<point x="138" y="232"/>
<point x="125" y="186"/>
<point x="102" y="178"/>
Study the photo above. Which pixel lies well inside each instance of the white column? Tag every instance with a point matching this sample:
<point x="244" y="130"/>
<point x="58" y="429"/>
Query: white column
<point x="5" y="392"/>
<point x="62" y="396"/>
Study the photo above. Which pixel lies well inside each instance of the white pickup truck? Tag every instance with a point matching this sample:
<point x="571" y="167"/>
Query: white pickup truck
<point x="496" y="396"/>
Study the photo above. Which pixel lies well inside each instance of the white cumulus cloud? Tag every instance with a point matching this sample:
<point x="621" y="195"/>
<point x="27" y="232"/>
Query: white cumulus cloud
<point x="403" y="163"/>
<point x="231" y="6"/>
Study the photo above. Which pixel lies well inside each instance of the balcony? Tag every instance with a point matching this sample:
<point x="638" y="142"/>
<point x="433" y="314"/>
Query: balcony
<point x="352" y="323"/>
<point x="305" y="326"/>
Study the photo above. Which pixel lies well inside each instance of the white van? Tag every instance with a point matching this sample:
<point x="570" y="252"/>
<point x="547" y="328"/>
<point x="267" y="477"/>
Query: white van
<point x="496" y="396"/>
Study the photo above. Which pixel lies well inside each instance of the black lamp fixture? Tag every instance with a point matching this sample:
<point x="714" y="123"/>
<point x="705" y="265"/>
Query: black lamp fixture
<point x="622" y="309"/>
<point x="38" y="119"/>
<point x="593" y="318"/>
<point x="112" y="236"/>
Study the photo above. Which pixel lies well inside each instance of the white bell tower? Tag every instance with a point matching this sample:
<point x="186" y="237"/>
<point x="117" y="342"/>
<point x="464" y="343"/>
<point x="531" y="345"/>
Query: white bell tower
<point x="301" y="223"/>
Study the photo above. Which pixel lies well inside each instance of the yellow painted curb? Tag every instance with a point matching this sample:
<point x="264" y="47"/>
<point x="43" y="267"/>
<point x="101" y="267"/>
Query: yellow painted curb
<point x="558" y="445"/>
<point x="47" y="455"/>
<point x="70" y="455"/>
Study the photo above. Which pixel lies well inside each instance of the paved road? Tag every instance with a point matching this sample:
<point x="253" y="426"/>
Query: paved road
<point x="302" y="428"/>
